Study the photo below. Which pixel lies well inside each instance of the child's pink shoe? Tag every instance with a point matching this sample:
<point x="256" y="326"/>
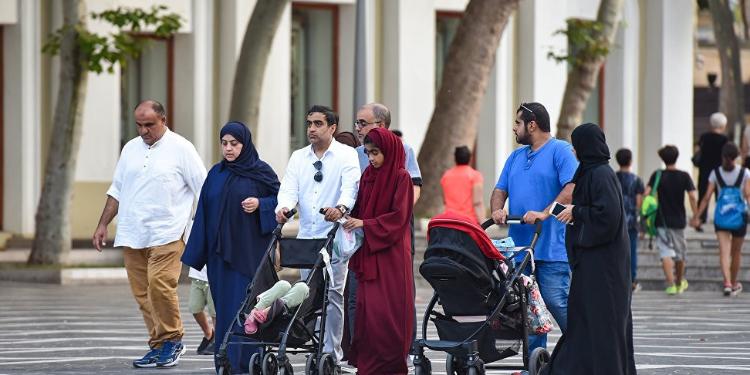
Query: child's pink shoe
<point x="251" y="326"/>
<point x="260" y="316"/>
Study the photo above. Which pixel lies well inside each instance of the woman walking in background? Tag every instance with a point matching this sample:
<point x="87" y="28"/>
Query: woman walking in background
<point x="232" y="227"/>
<point x="733" y="184"/>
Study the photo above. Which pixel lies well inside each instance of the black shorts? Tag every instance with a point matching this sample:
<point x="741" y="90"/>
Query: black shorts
<point x="735" y="233"/>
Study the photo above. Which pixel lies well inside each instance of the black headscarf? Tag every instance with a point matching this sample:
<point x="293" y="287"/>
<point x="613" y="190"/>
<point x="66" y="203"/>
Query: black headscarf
<point x="591" y="148"/>
<point x="234" y="236"/>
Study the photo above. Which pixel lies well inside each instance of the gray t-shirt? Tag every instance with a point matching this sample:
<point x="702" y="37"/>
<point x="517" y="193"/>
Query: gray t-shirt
<point x="729" y="177"/>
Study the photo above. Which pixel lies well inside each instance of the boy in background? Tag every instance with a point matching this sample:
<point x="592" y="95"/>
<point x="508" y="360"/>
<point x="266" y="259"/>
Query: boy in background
<point x="632" y="194"/>
<point x="671" y="218"/>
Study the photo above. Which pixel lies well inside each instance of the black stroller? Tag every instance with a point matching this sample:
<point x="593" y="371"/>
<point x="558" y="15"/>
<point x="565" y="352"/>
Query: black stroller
<point x="464" y="269"/>
<point x="294" y="331"/>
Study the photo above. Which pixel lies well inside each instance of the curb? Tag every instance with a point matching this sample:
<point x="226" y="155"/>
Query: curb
<point x="67" y="276"/>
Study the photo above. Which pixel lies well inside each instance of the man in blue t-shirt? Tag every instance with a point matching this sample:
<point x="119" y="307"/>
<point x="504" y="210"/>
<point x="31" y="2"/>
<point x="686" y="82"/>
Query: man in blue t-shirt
<point x="534" y="177"/>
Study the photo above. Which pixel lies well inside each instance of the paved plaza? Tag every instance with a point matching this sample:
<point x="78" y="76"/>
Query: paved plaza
<point x="98" y="330"/>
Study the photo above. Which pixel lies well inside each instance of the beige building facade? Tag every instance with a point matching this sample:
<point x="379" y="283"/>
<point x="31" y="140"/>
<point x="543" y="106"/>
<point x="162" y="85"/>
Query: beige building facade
<point x="644" y="99"/>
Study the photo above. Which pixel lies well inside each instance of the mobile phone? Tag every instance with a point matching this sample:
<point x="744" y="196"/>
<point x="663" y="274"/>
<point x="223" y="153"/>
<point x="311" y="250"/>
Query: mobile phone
<point x="556" y="209"/>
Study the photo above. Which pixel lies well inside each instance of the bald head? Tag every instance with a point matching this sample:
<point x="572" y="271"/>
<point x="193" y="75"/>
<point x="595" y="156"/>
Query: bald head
<point x="150" y="121"/>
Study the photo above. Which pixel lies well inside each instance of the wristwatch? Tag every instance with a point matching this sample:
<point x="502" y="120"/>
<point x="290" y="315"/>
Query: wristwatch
<point x="343" y="209"/>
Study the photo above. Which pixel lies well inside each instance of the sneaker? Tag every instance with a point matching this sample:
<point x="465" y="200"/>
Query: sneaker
<point x="148" y="360"/>
<point x="671" y="290"/>
<point x="636" y="287"/>
<point x="727" y="289"/>
<point x="206" y="347"/>
<point x="170" y="354"/>
<point x="683" y="286"/>
<point x="736" y="289"/>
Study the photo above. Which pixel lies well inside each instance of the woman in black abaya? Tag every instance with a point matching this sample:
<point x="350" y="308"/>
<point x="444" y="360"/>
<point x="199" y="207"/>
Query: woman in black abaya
<point x="599" y="338"/>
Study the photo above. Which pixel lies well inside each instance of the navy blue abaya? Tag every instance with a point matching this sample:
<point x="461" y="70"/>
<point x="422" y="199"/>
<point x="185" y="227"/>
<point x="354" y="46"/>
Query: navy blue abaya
<point x="229" y="276"/>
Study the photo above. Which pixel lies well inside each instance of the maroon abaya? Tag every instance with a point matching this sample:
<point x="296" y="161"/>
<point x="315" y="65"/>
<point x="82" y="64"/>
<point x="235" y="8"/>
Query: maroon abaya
<point x="385" y="298"/>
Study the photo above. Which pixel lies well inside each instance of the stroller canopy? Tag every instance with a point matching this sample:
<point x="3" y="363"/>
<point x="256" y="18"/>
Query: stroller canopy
<point x="464" y="224"/>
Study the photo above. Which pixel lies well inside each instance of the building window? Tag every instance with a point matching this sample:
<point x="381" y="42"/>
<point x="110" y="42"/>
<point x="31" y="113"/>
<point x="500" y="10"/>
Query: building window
<point x="445" y="29"/>
<point x="314" y="64"/>
<point x="150" y="76"/>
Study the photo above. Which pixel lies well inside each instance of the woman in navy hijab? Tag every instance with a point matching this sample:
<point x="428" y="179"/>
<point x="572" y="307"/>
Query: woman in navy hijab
<point x="232" y="228"/>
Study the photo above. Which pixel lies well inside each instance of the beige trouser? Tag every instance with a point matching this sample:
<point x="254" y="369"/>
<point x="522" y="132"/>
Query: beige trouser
<point x="153" y="273"/>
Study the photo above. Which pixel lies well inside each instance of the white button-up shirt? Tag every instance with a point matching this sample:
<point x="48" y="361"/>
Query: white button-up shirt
<point x="339" y="186"/>
<point x="155" y="186"/>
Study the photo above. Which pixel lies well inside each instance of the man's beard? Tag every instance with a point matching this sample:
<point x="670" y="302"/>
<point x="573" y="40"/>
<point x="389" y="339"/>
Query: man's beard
<point x="525" y="140"/>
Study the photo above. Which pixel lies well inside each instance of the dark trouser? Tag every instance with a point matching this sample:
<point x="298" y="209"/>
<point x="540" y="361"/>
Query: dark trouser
<point x="351" y="306"/>
<point x="633" y="234"/>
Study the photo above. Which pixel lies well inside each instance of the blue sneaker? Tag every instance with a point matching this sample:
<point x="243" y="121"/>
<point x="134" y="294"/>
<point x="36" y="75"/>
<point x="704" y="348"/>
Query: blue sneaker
<point x="148" y="360"/>
<point x="170" y="354"/>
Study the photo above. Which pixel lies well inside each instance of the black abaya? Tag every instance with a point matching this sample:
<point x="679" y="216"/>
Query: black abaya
<point x="599" y="336"/>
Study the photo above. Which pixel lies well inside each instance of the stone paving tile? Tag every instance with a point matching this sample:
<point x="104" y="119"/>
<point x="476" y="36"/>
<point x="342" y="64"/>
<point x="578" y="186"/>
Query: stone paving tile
<point x="56" y="329"/>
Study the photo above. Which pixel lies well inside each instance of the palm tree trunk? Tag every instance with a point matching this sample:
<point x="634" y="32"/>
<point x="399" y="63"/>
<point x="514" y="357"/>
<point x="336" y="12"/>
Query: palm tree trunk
<point x="731" y="95"/>
<point x="251" y="65"/>
<point x="459" y="100"/>
<point x="582" y="77"/>
<point x="52" y="238"/>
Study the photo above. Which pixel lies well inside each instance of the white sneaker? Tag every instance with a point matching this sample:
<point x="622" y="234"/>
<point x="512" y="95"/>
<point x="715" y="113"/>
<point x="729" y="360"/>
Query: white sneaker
<point x="736" y="289"/>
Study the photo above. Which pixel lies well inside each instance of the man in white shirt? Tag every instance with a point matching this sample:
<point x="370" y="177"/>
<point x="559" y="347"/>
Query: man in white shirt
<point x="324" y="175"/>
<point x="157" y="179"/>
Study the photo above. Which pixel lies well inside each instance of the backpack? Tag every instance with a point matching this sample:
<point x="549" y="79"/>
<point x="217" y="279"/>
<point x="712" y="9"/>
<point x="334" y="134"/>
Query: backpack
<point x="650" y="207"/>
<point x="730" y="208"/>
<point x="628" y="182"/>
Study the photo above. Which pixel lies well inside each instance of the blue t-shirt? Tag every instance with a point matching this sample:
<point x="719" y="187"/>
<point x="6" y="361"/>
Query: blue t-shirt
<point x="533" y="180"/>
<point x="411" y="163"/>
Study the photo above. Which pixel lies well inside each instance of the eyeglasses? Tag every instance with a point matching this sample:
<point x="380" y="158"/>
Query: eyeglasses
<point x="359" y="124"/>
<point x="318" y="175"/>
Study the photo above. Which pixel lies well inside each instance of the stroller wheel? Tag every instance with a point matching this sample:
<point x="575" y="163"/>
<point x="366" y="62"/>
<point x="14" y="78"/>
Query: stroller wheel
<point x="327" y="365"/>
<point x="422" y="365"/>
<point x="255" y="366"/>
<point x="270" y="364"/>
<point x="311" y="367"/>
<point x="286" y="368"/>
<point x="539" y="357"/>
<point x="476" y="370"/>
<point x="451" y="365"/>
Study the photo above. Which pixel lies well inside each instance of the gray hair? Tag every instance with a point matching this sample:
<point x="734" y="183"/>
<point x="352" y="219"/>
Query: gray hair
<point x="718" y="120"/>
<point x="380" y="112"/>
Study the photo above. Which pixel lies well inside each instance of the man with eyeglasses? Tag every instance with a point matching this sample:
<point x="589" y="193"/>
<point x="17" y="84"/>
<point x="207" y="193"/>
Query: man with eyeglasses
<point x="534" y="177"/>
<point x="371" y="116"/>
<point x="324" y="175"/>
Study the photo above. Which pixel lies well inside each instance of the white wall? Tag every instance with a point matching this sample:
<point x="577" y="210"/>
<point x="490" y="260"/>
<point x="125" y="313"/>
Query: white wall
<point x="667" y="114"/>
<point x="621" y="85"/>
<point x="541" y="79"/>
<point x="408" y="76"/>
<point x="22" y="122"/>
<point x="8" y="11"/>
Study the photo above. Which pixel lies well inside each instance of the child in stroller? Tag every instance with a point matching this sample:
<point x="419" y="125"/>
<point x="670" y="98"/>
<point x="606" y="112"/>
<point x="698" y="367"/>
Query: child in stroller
<point x="295" y="318"/>
<point x="484" y="304"/>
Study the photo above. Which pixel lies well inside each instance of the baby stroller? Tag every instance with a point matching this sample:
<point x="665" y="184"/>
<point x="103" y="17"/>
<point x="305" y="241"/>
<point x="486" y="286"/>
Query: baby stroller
<point x="484" y="304"/>
<point x="293" y="331"/>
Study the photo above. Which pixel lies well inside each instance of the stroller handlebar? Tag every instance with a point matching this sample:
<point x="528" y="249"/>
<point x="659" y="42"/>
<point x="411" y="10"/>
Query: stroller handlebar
<point x="510" y="219"/>
<point x="290" y="213"/>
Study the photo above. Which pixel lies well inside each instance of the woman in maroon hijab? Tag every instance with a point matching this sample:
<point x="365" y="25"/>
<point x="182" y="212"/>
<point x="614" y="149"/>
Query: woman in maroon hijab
<point x="385" y="302"/>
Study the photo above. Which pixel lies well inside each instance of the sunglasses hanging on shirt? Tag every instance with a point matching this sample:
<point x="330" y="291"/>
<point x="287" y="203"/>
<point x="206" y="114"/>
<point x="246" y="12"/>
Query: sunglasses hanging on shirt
<point x="318" y="175"/>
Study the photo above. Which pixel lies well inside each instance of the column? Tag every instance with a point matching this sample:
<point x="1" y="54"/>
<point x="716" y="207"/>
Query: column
<point x="621" y="83"/>
<point x="408" y="66"/>
<point x="667" y="91"/>
<point x="495" y="140"/>
<point x="22" y="96"/>
<point x="541" y="79"/>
